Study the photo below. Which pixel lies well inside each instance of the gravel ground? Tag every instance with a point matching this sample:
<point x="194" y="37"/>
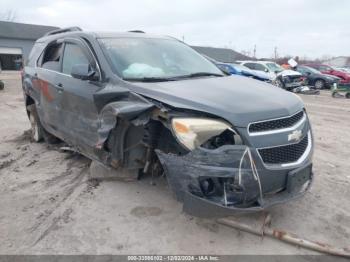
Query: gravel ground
<point x="50" y="206"/>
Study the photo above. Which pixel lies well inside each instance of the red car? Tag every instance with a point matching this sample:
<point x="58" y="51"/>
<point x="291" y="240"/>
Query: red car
<point x="326" y="69"/>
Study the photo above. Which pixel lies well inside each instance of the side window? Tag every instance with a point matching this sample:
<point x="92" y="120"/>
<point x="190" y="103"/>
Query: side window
<point x="73" y="55"/>
<point x="51" y="57"/>
<point x="260" y="67"/>
<point x="250" y="65"/>
<point x="324" y="68"/>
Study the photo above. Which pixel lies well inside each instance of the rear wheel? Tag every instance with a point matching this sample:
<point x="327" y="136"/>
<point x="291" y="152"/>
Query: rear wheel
<point x="1" y="85"/>
<point x="36" y="127"/>
<point x="319" y="84"/>
<point x="38" y="133"/>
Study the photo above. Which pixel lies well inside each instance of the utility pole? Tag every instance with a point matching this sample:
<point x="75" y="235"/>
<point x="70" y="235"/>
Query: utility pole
<point x="275" y="52"/>
<point x="183" y="38"/>
<point x="254" y="51"/>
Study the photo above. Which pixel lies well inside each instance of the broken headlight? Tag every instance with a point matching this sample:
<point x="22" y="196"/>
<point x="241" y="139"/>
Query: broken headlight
<point x="208" y="133"/>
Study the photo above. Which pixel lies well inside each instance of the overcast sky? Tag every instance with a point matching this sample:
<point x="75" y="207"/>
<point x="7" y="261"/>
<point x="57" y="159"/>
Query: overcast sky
<point x="309" y="28"/>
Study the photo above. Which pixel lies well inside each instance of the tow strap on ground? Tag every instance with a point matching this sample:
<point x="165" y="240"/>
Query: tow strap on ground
<point x="264" y="229"/>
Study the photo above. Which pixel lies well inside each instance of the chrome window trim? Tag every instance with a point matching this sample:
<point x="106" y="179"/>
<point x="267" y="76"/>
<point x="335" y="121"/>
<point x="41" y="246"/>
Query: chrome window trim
<point x="92" y="54"/>
<point x="298" y="162"/>
<point x="41" y="68"/>
<point x="276" y="131"/>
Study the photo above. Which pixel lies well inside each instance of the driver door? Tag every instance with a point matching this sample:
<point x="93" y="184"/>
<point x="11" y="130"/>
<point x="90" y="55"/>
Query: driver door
<point x="79" y="114"/>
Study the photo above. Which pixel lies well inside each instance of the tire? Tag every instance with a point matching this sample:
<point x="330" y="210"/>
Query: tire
<point x="36" y="128"/>
<point x="2" y="85"/>
<point x="38" y="133"/>
<point x="347" y="95"/>
<point x="320" y="84"/>
<point x="279" y="83"/>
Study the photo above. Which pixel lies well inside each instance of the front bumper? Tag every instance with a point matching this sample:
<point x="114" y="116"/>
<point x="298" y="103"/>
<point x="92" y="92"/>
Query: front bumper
<point x="292" y="81"/>
<point x="217" y="183"/>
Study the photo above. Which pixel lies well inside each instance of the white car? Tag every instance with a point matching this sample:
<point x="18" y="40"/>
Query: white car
<point x="287" y="79"/>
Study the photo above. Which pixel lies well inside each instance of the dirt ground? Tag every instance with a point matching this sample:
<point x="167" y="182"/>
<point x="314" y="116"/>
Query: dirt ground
<point x="48" y="205"/>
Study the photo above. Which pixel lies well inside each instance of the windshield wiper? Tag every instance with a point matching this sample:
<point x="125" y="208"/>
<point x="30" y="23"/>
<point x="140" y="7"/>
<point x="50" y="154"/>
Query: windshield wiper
<point x="198" y="74"/>
<point x="149" y="79"/>
<point x="173" y="78"/>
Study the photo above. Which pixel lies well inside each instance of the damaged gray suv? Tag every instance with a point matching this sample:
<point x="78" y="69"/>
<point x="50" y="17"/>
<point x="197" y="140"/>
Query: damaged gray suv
<point x="151" y="104"/>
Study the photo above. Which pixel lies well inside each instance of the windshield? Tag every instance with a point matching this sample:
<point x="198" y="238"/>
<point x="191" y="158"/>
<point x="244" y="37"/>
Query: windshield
<point x="274" y="67"/>
<point x="140" y="58"/>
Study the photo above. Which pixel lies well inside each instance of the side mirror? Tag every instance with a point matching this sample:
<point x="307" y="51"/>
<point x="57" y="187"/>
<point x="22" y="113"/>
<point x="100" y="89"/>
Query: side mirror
<point x="83" y="72"/>
<point x="266" y="70"/>
<point x="307" y="73"/>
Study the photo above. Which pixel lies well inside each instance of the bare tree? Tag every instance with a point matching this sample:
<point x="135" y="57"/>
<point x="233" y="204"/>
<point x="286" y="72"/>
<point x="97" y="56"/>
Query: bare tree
<point x="8" y="15"/>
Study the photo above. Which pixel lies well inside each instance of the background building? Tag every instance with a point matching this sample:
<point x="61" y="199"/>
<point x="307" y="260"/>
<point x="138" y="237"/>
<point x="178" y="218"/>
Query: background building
<point x="224" y="55"/>
<point x="340" y="61"/>
<point x="16" y="41"/>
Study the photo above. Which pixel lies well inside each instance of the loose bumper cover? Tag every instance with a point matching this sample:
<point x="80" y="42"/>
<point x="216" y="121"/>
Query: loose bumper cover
<point x="217" y="183"/>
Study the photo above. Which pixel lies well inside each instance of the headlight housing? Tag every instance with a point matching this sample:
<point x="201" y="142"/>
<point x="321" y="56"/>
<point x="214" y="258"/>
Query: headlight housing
<point x="193" y="132"/>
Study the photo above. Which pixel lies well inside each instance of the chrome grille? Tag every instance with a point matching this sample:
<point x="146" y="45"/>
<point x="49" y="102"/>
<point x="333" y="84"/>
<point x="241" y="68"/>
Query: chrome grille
<point x="284" y="154"/>
<point x="276" y="123"/>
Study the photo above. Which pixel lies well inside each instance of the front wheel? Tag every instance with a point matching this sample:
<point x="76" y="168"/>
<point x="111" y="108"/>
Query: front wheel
<point x="279" y="83"/>
<point x="319" y="84"/>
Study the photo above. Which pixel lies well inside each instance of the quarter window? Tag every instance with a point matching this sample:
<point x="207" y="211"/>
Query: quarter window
<point x="73" y="55"/>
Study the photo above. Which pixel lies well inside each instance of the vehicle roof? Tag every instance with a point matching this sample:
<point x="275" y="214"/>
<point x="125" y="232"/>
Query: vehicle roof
<point x="258" y="62"/>
<point x="315" y="64"/>
<point x="103" y="35"/>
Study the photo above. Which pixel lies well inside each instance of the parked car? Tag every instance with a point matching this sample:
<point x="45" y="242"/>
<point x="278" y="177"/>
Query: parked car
<point x="317" y="79"/>
<point x="287" y="79"/>
<point x="326" y="69"/>
<point x="152" y="104"/>
<point x="236" y="69"/>
<point x="344" y="69"/>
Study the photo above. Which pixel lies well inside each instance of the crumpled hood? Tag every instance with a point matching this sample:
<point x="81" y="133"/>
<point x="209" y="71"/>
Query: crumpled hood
<point x="239" y="100"/>
<point x="289" y="73"/>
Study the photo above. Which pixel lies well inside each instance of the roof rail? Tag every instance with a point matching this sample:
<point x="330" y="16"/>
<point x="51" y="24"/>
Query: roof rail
<point x="64" y="30"/>
<point x="136" y="31"/>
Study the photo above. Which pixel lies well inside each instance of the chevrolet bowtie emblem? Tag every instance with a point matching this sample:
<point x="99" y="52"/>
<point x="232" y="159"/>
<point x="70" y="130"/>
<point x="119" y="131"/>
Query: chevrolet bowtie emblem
<point x="295" y="135"/>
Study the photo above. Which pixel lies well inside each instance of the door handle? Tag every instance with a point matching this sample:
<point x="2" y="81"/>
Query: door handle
<point x="60" y="87"/>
